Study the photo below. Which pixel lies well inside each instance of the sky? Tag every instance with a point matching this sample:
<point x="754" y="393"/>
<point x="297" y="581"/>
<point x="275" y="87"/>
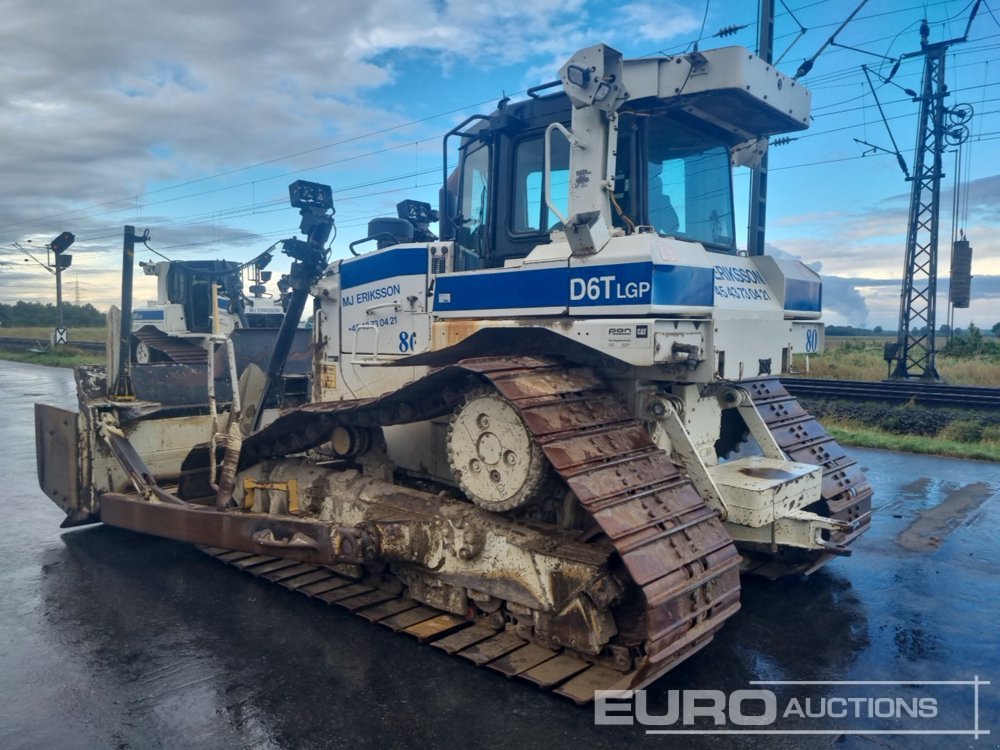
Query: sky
<point x="191" y="119"/>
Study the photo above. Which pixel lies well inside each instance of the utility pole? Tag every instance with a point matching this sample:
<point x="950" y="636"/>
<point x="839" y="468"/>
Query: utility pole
<point x="121" y="389"/>
<point x="758" y="177"/>
<point x="63" y="260"/>
<point x="916" y="348"/>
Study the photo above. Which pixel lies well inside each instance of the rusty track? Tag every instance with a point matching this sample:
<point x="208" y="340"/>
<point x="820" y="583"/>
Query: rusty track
<point x="174" y="348"/>
<point x="672" y="545"/>
<point x="500" y="650"/>
<point x="846" y="493"/>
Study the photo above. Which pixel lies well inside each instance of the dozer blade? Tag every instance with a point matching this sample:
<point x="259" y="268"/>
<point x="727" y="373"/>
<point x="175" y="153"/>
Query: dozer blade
<point x="57" y="452"/>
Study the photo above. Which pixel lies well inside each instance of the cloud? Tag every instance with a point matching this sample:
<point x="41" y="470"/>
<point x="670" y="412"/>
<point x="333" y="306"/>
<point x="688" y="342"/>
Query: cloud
<point x="115" y="114"/>
<point x="841" y="296"/>
<point x="660" y="21"/>
<point x="101" y="102"/>
<point x="872" y="242"/>
<point x="104" y="101"/>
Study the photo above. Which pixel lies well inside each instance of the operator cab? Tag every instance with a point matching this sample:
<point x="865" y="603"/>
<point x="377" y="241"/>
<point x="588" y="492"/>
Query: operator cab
<point x="196" y="284"/>
<point x="673" y="177"/>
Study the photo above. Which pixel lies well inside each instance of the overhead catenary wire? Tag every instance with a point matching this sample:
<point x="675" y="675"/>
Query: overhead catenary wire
<point x="264" y="206"/>
<point x="802" y="33"/>
<point x="353" y="139"/>
<point x="899" y="156"/>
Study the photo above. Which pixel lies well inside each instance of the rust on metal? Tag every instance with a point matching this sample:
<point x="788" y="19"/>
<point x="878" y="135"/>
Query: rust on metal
<point x="435" y="627"/>
<point x="492" y="648"/>
<point x="846" y="494"/>
<point x="464" y="638"/>
<point x="173" y="348"/>
<point x="681" y="566"/>
<point x="522" y="659"/>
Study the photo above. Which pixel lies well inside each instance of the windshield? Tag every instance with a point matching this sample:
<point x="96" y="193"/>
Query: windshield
<point x="689" y="185"/>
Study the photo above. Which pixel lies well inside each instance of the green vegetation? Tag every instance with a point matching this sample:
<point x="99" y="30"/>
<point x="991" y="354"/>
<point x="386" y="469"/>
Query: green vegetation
<point x="961" y="433"/>
<point x="46" y="316"/>
<point x="42" y="333"/>
<point x="64" y="356"/>
<point x="969" y="359"/>
<point x="948" y="424"/>
<point x="870" y="437"/>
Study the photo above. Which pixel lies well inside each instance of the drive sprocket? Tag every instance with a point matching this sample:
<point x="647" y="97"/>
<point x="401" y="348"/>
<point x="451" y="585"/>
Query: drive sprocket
<point x="495" y="459"/>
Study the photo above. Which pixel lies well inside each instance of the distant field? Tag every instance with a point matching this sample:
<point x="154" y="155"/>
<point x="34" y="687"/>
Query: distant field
<point x="66" y="356"/>
<point x="860" y="358"/>
<point x="42" y="333"/>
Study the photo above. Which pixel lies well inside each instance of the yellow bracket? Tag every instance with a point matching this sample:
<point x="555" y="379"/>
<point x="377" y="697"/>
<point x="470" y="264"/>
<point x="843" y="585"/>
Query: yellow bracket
<point x="291" y="488"/>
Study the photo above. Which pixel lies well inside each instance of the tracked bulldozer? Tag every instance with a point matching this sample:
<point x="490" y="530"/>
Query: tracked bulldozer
<point x="549" y="440"/>
<point x="196" y="299"/>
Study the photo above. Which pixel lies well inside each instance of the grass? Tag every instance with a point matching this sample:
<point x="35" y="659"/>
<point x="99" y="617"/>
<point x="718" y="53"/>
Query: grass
<point x="870" y="437"/>
<point x="850" y="359"/>
<point x="42" y="333"/>
<point x="64" y="356"/>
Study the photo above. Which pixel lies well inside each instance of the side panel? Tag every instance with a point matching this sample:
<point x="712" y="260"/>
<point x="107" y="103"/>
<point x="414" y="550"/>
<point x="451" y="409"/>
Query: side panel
<point x="382" y="296"/>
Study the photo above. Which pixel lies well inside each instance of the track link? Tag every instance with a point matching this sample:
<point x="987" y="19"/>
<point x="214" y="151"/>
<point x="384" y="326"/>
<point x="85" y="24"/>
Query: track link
<point x="671" y="543"/>
<point x="173" y="348"/>
<point x="846" y="493"/>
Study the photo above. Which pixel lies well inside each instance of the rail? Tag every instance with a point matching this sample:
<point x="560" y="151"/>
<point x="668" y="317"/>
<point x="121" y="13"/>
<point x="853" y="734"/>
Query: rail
<point x="891" y="391"/>
<point x="896" y="391"/>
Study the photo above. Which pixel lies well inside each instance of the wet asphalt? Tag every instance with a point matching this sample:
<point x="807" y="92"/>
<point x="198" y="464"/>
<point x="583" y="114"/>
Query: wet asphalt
<point x="109" y="639"/>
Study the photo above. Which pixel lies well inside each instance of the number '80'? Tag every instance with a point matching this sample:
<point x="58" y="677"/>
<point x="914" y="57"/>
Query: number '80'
<point x="407" y="341"/>
<point x="812" y="340"/>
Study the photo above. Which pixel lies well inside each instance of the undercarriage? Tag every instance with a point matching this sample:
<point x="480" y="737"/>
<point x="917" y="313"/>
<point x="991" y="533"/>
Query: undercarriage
<point x="572" y="550"/>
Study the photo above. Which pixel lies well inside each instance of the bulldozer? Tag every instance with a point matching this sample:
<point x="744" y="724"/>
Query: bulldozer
<point x="197" y="299"/>
<point x="550" y="437"/>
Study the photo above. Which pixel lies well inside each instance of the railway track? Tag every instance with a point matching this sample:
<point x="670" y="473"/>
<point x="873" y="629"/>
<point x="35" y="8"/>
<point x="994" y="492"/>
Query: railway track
<point x="927" y="394"/>
<point x="24" y="344"/>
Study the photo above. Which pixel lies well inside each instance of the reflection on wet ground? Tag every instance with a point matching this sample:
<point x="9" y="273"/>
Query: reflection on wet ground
<point x="112" y="639"/>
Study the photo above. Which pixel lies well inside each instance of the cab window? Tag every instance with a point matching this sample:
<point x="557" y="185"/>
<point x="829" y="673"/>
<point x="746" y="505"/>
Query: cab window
<point x="474" y="209"/>
<point x="688" y="185"/>
<point x="531" y="215"/>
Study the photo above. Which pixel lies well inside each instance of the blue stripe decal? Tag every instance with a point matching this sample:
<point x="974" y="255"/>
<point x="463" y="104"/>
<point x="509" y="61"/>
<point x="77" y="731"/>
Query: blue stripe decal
<point x="641" y="284"/>
<point x="804" y="296"/>
<point x="544" y="287"/>
<point x="147" y="314"/>
<point x="619" y="284"/>
<point x="583" y="286"/>
<point x="383" y="264"/>
<point x="685" y="286"/>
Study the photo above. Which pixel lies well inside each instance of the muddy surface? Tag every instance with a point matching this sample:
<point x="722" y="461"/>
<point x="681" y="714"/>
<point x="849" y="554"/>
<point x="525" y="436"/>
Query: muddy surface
<point x="109" y="639"/>
<point x="931" y="527"/>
